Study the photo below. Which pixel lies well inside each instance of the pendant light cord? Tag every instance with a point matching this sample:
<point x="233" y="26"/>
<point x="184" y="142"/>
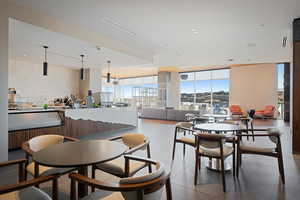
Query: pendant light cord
<point x="45" y="47"/>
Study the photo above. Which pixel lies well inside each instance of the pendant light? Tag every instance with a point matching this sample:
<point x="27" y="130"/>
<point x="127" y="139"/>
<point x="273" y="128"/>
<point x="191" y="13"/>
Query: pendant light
<point x="45" y="64"/>
<point x="82" y="76"/>
<point x="108" y="73"/>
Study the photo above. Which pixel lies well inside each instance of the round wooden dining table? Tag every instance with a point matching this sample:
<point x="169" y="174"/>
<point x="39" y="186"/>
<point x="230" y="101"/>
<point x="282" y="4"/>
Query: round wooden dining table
<point x="220" y="128"/>
<point x="79" y="155"/>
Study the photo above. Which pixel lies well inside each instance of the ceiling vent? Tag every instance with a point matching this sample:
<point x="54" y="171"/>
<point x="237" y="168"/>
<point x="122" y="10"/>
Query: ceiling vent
<point x="118" y="26"/>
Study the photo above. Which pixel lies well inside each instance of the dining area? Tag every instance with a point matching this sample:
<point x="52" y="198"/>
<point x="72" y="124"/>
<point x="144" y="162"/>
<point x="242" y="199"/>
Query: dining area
<point x="225" y="142"/>
<point x="49" y="157"/>
<point x="165" y="160"/>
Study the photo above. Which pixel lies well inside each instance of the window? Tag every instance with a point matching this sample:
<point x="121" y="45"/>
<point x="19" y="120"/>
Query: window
<point x="123" y="89"/>
<point x="280" y="89"/>
<point x="207" y="91"/>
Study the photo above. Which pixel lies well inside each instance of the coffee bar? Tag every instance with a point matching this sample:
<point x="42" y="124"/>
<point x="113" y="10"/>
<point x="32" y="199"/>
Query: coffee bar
<point x="65" y="116"/>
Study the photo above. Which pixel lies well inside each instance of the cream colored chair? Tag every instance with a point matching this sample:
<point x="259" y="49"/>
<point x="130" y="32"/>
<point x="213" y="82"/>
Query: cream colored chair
<point x="273" y="150"/>
<point x="38" y="143"/>
<point x="135" y="142"/>
<point x="147" y="187"/>
<point x="25" y="190"/>
<point x="213" y="146"/>
<point x="182" y="129"/>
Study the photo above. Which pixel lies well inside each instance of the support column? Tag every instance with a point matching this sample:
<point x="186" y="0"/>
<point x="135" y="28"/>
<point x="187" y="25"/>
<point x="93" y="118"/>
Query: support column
<point x="169" y="85"/>
<point x="296" y="88"/>
<point x="3" y="81"/>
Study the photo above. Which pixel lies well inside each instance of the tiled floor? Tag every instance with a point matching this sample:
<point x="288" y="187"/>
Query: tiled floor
<point x="259" y="178"/>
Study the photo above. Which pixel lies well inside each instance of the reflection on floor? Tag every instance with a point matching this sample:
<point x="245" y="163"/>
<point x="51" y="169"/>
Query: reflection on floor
<point x="259" y="178"/>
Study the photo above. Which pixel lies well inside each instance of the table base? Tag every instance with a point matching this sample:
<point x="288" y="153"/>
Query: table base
<point x="82" y="188"/>
<point x="215" y="165"/>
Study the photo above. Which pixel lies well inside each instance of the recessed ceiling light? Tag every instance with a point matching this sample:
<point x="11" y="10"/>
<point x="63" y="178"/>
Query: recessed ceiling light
<point x="25" y="55"/>
<point x="196" y="32"/>
<point x="194" y="29"/>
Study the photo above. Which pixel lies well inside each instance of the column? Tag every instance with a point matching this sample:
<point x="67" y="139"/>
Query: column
<point x="169" y="86"/>
<point x="3" y="81"/>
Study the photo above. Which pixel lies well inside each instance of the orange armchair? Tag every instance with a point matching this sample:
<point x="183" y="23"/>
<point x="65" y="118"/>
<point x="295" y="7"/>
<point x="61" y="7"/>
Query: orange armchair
<point x="268" y="112"/>
<point x="236" y="110"/>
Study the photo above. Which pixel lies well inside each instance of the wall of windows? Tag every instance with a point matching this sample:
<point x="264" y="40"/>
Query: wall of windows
<point x="207" y="91"/>
<point x="123" y="89"/>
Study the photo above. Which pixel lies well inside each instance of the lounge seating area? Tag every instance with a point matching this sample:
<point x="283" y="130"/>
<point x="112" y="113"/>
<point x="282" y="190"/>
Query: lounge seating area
<point x="149" y="100"/>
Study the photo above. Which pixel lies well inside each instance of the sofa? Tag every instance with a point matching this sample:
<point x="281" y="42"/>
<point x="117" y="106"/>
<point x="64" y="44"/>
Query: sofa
<point x="165" y="114"/>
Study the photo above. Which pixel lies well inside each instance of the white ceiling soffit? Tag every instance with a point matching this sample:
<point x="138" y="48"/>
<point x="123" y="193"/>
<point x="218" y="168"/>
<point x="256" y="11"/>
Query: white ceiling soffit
<point x="196" y="32"/>
<point x="26" y="43"/>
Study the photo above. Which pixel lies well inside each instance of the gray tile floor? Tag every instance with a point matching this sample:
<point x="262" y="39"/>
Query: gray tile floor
<point x="259" y="178"/>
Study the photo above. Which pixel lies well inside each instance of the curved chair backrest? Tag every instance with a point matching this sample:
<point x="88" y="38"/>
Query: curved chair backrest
<point x="155" y="192"/>
<point x="133" y="139"/>
<point x="235" y="108"/>
<point x="186" y="125"/>
<point x="209" y="140"/>
<point x="275" y="135"/>
<point x="44" y="141"/>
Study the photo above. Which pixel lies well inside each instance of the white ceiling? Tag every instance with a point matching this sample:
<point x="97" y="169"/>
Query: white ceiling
<point x="27" y="41"/>
<point x="190" y="32"/>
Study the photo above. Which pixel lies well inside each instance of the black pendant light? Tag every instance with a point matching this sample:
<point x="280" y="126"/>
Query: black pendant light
<point x="108" y="72"/>
<point x="82" y="76"/>
<point x="45" y="64"/>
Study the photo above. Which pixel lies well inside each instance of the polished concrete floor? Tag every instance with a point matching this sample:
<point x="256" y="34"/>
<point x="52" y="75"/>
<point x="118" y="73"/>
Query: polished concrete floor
<point x="259" y="178"/>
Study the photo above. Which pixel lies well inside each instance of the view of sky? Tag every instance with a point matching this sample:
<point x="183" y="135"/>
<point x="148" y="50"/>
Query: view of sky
<point x="204" y="86"/>
<point x="280" y="75"/>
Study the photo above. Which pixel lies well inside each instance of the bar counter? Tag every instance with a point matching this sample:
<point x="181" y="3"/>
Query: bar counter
<point x="26" y="124"/>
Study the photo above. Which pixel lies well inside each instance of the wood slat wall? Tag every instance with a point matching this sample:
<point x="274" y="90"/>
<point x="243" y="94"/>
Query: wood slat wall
<point x="71" y="128"/>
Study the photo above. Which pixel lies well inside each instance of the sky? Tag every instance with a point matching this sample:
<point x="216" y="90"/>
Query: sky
<point x="204" y="86"/>
<point x="280" y="75"/>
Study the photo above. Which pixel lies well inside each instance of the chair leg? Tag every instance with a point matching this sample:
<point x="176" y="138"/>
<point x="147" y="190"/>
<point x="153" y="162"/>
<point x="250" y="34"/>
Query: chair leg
<point x="281" y="168"/>
<point x="184" y="133"/>
<point x="238" y="164"/>
<point x="252" y="130"/>
<point x="168" y="189"/>
<point x="223" y="174"/>
<point x="174" y="144"/>
<point x="93" y="176"/>
<point x="233" y="163"/>
<point x="196" y="169"/>
<point x="199" y="162"/>
<point x="73" y="190"/>
<point x="36" y="172"/>
<point x="149" y="156"/>
<point x="55" y="189"/>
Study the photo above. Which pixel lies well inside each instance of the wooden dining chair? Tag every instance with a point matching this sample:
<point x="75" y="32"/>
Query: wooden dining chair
<point x="25" y="190"/>
<point x="275" y="151"/>
<point x="213" y="146"/>
<point x="118" y="167"/>
<point x="146" y="187"/>
<point x="38" y="143"/>
<point x="182" y="129"/>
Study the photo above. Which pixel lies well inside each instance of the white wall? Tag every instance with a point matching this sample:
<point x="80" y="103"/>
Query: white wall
<point x="92" y="82"/>
<point x="3" y="81"/>
<point x="253" y="86"/>
<point x="29" y="81"/>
